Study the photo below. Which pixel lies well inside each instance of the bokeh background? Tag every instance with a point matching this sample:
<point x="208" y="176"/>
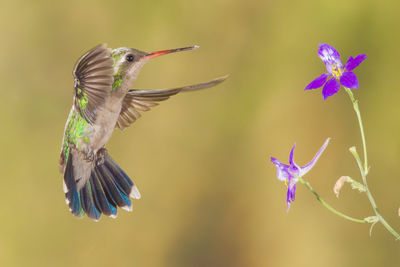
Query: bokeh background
<point x="210" y="196"/>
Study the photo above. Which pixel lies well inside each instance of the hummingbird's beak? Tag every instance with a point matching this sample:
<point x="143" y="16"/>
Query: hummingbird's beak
<point x="164" y="52"/>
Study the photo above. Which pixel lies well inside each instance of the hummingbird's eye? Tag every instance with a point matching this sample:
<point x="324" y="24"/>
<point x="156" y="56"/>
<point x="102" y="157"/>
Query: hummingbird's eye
<point x="130" y="58"/>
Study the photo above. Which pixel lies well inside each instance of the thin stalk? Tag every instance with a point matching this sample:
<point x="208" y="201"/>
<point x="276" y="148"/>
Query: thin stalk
<point x="369" y="195"/>
<point x="357" y="110"/>
<point x="364" y="169"/>
<point x="326" y="205"/>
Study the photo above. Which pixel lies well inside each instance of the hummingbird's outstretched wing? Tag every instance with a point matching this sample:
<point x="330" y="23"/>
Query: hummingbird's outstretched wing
<point x="93" y="75"/>
<point x="142" y="100"/>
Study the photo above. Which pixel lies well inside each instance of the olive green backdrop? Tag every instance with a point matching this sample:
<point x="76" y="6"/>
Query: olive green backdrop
<point x="210" y="196"/>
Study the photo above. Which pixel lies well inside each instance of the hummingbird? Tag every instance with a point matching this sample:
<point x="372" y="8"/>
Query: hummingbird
<point x="94" y="184"/>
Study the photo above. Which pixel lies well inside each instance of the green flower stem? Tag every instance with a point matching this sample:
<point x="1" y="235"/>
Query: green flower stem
<point x="357" y="110"/>
<point x="371" y="199"/>
<point x="364" y="169"/>
<point x="326" y="205"/>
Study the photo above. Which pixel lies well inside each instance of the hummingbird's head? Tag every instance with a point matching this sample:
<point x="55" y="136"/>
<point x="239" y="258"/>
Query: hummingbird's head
<point x="129" y="61"/>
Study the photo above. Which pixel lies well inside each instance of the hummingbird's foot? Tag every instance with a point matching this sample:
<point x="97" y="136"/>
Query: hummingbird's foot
<point x="100" y="156"/>
<point x="89" y="155"/>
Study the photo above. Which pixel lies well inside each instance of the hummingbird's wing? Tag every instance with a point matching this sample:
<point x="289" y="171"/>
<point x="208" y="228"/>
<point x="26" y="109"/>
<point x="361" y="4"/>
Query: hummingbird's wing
<point x="142" y="100"/>
<point x="93" y="75"/>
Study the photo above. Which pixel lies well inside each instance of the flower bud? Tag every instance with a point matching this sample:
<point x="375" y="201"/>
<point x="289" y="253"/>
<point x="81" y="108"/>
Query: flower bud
<point x="339" y="184"/>
<point x="354" y="185"/>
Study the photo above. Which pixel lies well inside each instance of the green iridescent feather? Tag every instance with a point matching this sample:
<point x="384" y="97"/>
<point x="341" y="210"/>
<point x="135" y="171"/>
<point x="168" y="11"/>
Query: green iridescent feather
<point x="83" y="99"/>
<point x="76" y="132"/>
<point x="118" y="78"/>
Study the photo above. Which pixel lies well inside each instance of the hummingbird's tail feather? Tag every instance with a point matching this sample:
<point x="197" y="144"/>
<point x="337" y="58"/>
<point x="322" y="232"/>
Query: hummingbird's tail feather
<point x="88" y="203"/>
<point x="72" y="195"/>
<point x="107" y="188"/>
<point x="100" y="197"/>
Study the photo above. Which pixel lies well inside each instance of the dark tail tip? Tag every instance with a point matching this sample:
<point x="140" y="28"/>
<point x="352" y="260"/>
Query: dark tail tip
<point x="108" y="188"/>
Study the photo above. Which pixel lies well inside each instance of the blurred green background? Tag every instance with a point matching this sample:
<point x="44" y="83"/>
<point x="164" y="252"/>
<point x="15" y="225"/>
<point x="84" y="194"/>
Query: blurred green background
<point x="210" y="196"/>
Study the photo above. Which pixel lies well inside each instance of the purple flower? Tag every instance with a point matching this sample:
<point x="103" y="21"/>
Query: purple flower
<point x="291" y="173"/>
<point x="338" y="74"/>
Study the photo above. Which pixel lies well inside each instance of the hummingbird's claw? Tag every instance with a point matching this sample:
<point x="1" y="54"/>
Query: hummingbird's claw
<point x="100" y="156"/>
<point x="89" y="155"/>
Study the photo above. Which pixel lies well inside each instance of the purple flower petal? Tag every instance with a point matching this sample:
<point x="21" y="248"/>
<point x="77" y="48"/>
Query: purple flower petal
<point x="349" y="80"/>
<point x="291" y="154"/>
<point x="290" y="174"/>
<point x="349" y="61"/>
<point x="318" y="82"/>
<point x="330" y="88"/>
<point x="292" y="190"/>
<point x="310" y="165"/>
<point x="282" y="169"/>
<point x="291" y="193"/>
<point x="353" y="63"/>
<point x="330" y="57"/>
<point x="288" y="204"/>
<point x="293" y="169"/>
